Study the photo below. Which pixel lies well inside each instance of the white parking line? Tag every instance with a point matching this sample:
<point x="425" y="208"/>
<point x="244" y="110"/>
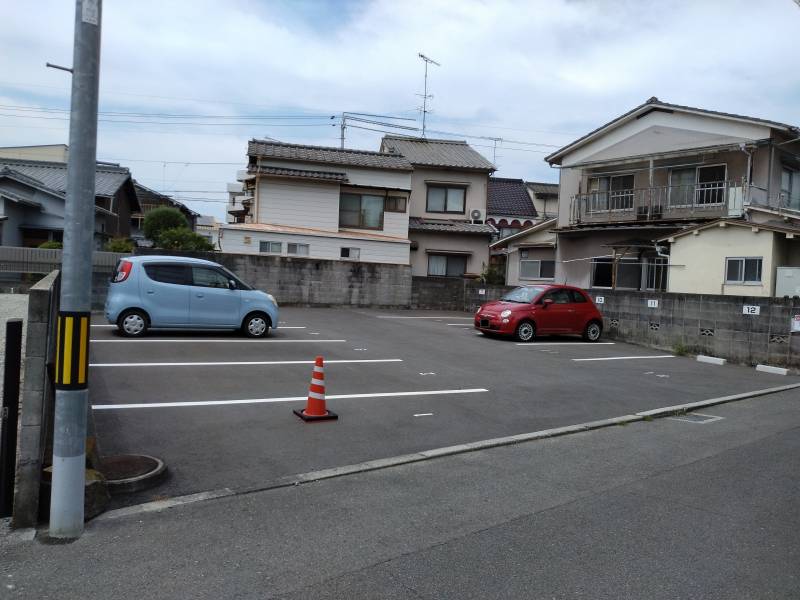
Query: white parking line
<point x="458" y="324"/>
<point x="534" y="344"/>
<point x="445" y="317"/>
<point x="216" y="341"/>
<point x="423" y="415"/>
<point x="280" y="327"/>
<point x="623" y="357"/>
<point x="288" y="399"/>
<point x="241" y="363"/>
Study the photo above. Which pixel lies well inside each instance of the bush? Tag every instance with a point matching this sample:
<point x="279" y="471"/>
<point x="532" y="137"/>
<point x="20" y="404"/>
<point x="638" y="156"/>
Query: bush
<point x="51" y="245"/>
<point x="183" y="238"/>
<point x="119" y="245"/>
<point x="162" y="219"/>
<point x="492" y="275"/>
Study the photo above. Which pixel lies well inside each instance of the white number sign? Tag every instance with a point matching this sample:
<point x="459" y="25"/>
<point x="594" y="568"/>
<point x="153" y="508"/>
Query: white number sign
<point x="652" y="304"/>
<point x="600" y="300"/>
<point x="751" y="310"/>
<point x="796" y="324"/>
<point x="481" y="292"/>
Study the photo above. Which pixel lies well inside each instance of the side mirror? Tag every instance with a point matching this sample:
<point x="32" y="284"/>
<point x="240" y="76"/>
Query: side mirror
<point x="547" y="302"/>
<point x="231" y="284"/>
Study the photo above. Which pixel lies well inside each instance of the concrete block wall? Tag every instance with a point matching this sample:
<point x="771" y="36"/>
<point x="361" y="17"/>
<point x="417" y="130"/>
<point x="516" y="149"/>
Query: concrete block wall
<point x="453" y="293"/>
<point x="310" y="282"/>
<point x="705" y="324"/>
<point x="36" y="406"/>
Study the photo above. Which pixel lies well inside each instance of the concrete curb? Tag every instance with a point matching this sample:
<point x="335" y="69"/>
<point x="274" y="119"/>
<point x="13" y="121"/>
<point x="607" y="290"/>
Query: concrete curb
<point x="711" y="360"/>
<point x="773" y="370"/>
<point x="425" y="455"/>
<point x="139" y="482"/>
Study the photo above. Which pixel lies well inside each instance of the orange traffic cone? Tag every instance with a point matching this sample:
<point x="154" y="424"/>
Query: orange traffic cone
<point x="315" y="406"/>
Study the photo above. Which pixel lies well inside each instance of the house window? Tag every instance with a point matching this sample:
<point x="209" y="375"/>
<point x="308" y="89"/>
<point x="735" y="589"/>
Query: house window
<point x="745" y="270"/>
<point x="611" y="193"/>
<point x="656" y="273"/>
<point x="507" y="231"/>
<point x="445" y="265"/>
<point x="351" y="253"/>
<point x="601" y="272"/>
<point x="535" y="269"/>
<point x="790" y="188"/>
<point x="697" y="185"/>
<point x="364" y="211"/>
<point x="297" y="249"/>
<point x="270" y="247"/>
<point x="395" y="204"/>
<point x="443" y="199"/>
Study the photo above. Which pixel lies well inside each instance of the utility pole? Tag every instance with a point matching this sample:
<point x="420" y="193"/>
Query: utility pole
<point x="425" y="95"/>
<point x="72" y="347"/>
<point x="344" y="125"/>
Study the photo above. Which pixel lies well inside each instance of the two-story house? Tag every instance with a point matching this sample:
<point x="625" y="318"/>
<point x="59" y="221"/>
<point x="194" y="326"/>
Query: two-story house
<point x="447" y="214"/>
<point x="320" y="202"/>
<point x="633" y="184"/>
<point x="509" y="206"/>
<point x="33" y="194"/>
<point x="150" y="199"/>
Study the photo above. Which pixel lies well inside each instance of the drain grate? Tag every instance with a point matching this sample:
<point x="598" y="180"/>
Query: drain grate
<point x="696" y="418"/>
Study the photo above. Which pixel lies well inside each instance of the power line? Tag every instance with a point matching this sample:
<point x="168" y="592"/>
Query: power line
<point x="178" y="116"/>
<point x="180" y="123"/>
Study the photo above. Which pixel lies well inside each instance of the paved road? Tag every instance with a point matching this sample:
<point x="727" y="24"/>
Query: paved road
<point x="528" y="388"/>
<point x="659" y="510"/>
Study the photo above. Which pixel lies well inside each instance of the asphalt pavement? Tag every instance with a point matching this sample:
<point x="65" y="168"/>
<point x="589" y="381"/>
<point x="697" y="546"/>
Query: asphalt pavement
<point x="660" y="510"/>
<point x="222" y="425"/>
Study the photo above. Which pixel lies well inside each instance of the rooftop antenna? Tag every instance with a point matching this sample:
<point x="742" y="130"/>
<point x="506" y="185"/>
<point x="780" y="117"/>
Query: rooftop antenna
<point x="425" y="95"/>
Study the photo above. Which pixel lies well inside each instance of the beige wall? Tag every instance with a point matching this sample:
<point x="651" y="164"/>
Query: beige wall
<point x="513" y="267"/>
<point x="53" y="153"/>
<point x="475" y="196"/>
<point x="697" y="262"/>
<point x="477" y="245"/>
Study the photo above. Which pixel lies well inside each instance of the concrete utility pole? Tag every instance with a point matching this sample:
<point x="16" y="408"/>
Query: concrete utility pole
<point x="72" y="346"/>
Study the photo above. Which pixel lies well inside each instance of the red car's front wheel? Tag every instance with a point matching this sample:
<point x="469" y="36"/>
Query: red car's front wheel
<point x="525" y="331"/>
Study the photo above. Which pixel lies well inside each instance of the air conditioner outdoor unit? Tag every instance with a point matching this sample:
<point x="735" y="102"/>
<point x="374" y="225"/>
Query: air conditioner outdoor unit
<point x="477" y="215"/>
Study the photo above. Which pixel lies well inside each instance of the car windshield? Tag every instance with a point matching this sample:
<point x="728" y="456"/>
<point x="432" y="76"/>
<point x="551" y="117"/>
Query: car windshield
<point x="239" y="283"/>
<point x="523" y="295"/>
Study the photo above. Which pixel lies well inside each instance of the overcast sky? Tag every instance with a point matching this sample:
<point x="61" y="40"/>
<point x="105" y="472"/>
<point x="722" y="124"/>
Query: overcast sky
<point x="538" y="72"/>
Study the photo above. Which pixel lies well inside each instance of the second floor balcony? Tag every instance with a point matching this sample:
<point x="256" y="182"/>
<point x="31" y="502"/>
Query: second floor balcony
<point x="706" y="200"/>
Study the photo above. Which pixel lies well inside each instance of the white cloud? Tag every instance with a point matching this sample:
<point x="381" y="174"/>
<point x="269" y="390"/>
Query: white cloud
<point x="543" y="71"/>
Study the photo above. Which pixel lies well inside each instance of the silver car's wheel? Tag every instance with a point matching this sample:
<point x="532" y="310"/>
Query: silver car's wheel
<point x="256" y="326"/>
<point x="133" y="324"/>
<point x="525" y="331"/>
<point x="593" y="331"/>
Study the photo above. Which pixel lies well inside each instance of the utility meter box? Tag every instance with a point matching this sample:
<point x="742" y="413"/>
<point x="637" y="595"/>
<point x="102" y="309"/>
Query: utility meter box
<point x="787" y="281"/>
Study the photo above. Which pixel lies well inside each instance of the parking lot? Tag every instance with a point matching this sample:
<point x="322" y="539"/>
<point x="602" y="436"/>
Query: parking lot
<point x="217" y="407"/>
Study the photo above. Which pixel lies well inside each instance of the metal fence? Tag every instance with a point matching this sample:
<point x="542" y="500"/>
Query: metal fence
<point x="40" y="260"/>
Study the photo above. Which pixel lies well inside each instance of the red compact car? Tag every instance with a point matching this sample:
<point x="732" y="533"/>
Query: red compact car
<point x="532" y="310"/>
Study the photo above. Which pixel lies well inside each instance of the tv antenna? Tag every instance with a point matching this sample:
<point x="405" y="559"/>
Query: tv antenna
<point x="425" y="95"/>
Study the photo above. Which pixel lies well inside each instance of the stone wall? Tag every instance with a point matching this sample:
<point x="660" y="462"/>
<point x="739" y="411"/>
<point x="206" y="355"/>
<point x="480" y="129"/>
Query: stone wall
<point x="452" y="293"/>
<point x="313" y="282"/>
<point x="705" y="324"/>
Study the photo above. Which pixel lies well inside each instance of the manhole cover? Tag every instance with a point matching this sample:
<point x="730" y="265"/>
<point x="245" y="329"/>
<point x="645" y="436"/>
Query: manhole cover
<point x="696" y="418"/>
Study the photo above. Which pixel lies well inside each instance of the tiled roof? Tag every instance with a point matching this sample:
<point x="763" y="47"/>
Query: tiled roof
<point x="327" y="155"/>
<point x="449" y="226"/>
<point x="543" y="190"/>
<point x="775" y="225"/>
<point x="426" y="152"/>
<point x="108" y="179"/>
<point x="654" y="104"/>
<point x="299" y="173"/>
<point x="509" y="198"/>
<point x="152" y="198"/>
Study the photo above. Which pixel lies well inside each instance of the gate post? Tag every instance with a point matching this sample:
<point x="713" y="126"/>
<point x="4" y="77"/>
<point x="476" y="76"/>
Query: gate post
<point x="9" y="415"/>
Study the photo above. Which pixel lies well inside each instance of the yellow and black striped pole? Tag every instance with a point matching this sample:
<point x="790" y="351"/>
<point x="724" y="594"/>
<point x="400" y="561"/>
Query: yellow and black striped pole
<point x="72" y="351"/>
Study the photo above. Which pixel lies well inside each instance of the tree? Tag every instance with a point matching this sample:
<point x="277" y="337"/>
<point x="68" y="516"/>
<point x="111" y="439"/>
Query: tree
<point x="183" y="238"/>
<point x="119" y="245"/>
<point x="161" y="219"/>
<point x="51" y="245"/>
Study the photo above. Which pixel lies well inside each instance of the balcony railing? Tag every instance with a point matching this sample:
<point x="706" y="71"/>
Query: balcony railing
<point x="660" y="203"/>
